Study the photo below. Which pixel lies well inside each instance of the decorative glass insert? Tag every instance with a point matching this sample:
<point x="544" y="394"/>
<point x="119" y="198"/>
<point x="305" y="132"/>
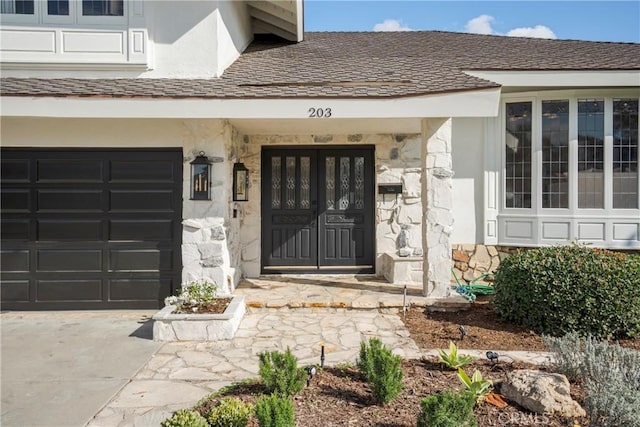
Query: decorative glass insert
<point x="276" y="181"/>
<point x="518" y="155"/>
<point x="290" y="196"/>
<point x="555" y="154"/>
<point x="305" y="182"/>
<point x="345" y="180"/>
<point x="330" y="164"/>
<point x="591" y="153"/>
<point x="359" y="181"/>
<point x="102" y="7"/>
<point x="16" y="7"/>
<point x="625" y="153"/>
<point x="58" y="7"/>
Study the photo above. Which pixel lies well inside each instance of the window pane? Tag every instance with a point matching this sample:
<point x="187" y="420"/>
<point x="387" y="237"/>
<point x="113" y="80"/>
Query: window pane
<point x="58" y="7"/>
<point x="102" y="7"/>
<point x="555" y="154"/>
<point x="518" y="155"/>
<point x="359" y="181"/>
<point x="331" y="182"/>
<point x="291" y="183"/>
<point x="345" y="181"/>
<point x="591" y="153"/>
<point x="625" y="153"/>
<point x="18" y="7"/>
<point x="305" y="182"/>
<point x="276" y="173"/>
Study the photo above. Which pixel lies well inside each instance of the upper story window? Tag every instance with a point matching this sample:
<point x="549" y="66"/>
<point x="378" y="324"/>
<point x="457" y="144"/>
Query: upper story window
<point x="17" y="7"/>
<point x="574" y="154"/>
<point x="102" y="8"/>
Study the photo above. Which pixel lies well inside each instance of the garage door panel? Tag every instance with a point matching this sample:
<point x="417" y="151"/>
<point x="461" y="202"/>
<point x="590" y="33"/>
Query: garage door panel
<point x="14" y="229"/>
<point x="14" y="290"/>
<point x="140" y="201"/>
<point x="140" y="260"/>
<point x="14" y="170"/>
<point x="69" y="260"/>
<point x="66" y="230"/>
<point x="66" y="170"/>
<point x="145" y="171"/>
<point x="69" y="290"/>
<point x="14" y="261"/>
<point x="138" y="289"/>
<point x="89" y="229"/>
<point x="141" y="230"/>
<point x="18" y="201"/>
<point x="69" y="201"/>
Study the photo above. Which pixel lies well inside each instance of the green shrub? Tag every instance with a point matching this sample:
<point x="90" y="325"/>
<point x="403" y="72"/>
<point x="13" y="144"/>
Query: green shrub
<point x="611" y="374"/>
<point x="382" y="369"/>
<point x="280" y="373"/>
<point x="275" y="411"/>
<point x="476" y="386"/>
<point x="185" y="418"/>
<point x="557" y="290"/>
<point x="453" y="360"/>
<point x="229" y="412"/>
<point x="447" y="409"/>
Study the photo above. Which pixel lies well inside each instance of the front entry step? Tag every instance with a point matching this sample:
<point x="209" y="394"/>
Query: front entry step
<point x="319" y="293"/>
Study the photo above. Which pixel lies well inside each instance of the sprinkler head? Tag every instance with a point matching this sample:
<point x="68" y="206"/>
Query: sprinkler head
<point x="463" y="332"/>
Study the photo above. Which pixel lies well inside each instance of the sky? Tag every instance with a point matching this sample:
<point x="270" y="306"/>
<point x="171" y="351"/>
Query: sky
<point x="579" y="20"/>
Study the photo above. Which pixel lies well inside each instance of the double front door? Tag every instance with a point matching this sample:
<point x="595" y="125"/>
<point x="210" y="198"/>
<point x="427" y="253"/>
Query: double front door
<point x="317" y="210"/>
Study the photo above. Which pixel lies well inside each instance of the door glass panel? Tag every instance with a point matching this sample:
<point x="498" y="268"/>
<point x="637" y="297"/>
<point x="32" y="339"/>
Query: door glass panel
<point x="359" y="182"/>
<point x="345" y="179"/>
<point x="591" y="153"/>
<point x="330" y="164"/>
<point x="290" y="198"/>
<point x="305" y="182"/>
<point x="625" y="153"/>
<point x="276" y="173"/>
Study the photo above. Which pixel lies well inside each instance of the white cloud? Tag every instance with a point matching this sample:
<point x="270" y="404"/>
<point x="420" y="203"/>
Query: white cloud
<point x="391" y="25"/>
<point x="483" y="24"/>
<point x="539" y="31"/>
<point x="480" y="25"/>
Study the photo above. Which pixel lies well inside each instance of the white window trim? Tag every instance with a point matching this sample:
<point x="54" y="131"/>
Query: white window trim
<point x="59" y="19"/>
<point x="75" y="17"/>
<point x="573" y="217"/>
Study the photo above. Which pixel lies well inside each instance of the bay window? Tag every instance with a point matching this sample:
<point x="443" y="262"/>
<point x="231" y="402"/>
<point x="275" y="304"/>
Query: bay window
<point x="569" y="169"/>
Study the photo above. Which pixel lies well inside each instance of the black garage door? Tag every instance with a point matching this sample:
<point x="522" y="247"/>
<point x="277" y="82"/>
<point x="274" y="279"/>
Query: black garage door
<point x="90" y="229"/>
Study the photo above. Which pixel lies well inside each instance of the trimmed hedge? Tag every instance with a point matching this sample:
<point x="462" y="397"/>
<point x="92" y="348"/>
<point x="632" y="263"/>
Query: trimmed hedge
<point x="562" y="289"/>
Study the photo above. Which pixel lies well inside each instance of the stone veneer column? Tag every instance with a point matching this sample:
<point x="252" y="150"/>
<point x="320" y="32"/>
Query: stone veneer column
<point x="437" y="215"/>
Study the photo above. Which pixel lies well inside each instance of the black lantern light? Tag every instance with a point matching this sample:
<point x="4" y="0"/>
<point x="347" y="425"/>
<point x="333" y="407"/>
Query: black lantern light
<point x="200" y="178"/>
<point x="240" y="183"/>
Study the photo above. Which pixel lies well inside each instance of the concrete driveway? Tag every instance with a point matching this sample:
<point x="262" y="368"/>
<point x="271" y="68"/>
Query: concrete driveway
<point x="61" y="368"/>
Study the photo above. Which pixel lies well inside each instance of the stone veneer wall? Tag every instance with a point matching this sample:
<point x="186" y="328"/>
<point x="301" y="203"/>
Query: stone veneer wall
<point x="397" y="161"/>
<point x="210" y="238"/>
<point x="471" y="261"/>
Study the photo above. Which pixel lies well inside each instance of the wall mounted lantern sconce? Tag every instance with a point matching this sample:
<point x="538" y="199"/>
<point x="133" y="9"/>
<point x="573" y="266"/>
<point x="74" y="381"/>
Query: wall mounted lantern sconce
<point x="201" y="176"/>
<point x="240" y="183"/>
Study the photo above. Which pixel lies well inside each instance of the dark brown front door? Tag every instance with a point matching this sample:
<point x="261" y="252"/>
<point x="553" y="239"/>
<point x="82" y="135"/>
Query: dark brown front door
<point x="90" y="229"/>
<point x="317" y="210"/>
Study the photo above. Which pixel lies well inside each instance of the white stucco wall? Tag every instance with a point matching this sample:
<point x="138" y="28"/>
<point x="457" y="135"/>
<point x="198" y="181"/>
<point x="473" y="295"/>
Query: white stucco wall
<point x="160" y="39"/>
<point x="467" y="137"/>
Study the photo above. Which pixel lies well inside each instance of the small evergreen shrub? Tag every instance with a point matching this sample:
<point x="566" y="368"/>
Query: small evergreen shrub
<point x="382" y="369"/>
<point x="611" y="374"/>
<point x="185" y="418"/>
<point x="275" y="411"/>
<point x="447" y="409"/>
<point x="562" y="289"/>
<point x="229" y="412"/>
<point x="280" y="373"/>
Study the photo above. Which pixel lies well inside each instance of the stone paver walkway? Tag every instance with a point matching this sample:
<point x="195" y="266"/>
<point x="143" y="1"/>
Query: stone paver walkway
<point x="181" y="373"/>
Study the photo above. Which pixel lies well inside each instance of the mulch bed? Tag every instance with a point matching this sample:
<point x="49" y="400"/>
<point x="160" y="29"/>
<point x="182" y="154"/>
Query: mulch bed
<point x="339" y="396"/>
<point x="485" y="330"/>
<point x="217" y="306"/>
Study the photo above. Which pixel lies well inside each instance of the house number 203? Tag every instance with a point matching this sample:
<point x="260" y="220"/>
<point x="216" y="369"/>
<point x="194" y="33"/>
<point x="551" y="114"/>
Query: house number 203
<point x="319" y="113"/>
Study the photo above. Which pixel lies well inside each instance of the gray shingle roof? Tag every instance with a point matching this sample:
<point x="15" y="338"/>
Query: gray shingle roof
<point x="355" y="65"/>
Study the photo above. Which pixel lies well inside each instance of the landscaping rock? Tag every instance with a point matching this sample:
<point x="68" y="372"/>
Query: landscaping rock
<point x="541" y="392"/>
